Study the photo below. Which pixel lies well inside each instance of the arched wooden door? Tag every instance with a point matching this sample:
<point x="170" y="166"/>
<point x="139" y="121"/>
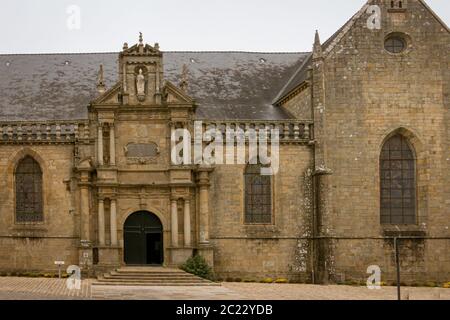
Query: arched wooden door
<point x="143" y="239"/>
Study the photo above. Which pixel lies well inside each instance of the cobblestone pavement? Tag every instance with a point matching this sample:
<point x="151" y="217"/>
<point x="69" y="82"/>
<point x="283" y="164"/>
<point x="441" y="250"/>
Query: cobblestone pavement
<point x="257" y="291"/>
<point x="12" y="288"/>
<point x="165" y="293"/>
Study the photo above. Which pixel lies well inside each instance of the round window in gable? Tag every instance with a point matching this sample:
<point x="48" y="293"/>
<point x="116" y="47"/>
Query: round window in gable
<point x="395" y="43"/>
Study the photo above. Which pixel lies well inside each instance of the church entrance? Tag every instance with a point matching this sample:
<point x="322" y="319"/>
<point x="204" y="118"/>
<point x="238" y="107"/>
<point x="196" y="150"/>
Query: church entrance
<point x="143" y="239"/>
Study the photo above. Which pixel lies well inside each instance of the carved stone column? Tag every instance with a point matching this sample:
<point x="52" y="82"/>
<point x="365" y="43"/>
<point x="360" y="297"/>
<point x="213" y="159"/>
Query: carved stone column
<point x="187" y="223"/>
<point x="203" y="183"/>
<point x="113" y="223"/>
<point x="100" y="144"/>
<point x="174" y="222"/>
<point x="112" y="145"/>
<point x="101" y="222"/>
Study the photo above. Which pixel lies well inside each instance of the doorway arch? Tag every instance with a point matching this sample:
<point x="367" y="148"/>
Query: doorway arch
<point x="143" y="239"/>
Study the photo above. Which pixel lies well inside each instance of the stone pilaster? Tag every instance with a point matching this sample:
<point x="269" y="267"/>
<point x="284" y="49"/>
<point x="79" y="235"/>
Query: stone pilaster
<point x="101" y="222"/>
<point x="203" y="184"/>
<point x="85" y="255"/>
<point x="112" y="145"/>
<point x="84" y="208"/>
<point x="100" y="144"/>
<point x="187" y="223"/>
<point x="321" y="223"/>
<point x="174" y="222"/>
<point x="113" y="223"/>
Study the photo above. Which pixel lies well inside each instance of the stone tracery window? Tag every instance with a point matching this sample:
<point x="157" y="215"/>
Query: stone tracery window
<point x="28" y="180"/>
<point x="258" y="196"/>
<point x="398" y="182"/>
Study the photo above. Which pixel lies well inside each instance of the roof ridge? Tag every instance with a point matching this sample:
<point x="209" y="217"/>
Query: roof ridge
<point x="98" y="53"/>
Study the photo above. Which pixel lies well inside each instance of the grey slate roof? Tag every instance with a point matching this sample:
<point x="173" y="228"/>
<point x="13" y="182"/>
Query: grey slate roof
<point x="226" y="85"/>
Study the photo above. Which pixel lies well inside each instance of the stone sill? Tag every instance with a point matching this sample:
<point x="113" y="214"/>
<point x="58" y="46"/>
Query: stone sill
<point x="397" y="10"/>
<point x="403" y="231"/>
<point x="28" y="231"/>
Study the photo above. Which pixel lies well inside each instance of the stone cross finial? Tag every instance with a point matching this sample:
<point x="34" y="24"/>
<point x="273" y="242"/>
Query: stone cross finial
<point x="141" y="39"/>
<point x="101" y="88"/>
<point x="184" y="78"/>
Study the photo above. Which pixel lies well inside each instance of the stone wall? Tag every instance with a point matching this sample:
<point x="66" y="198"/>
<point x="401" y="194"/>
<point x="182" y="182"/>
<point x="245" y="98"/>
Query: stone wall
<point x="371" y="94"/>
<point x="257" y="251"/>
<point x="300" y="104"/>
<point x="37" y="246"/>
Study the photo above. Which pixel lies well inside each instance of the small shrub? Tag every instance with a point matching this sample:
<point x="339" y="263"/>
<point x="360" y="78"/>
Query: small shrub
<point x="447" y="285"/>
<point x="229" y="279"/>
<point x="238" y="280"/>
<point x="430" y="284"/>
<point x="281" y="280"/>
<point x="267" y="280"/>
<point x="198" y="266"/>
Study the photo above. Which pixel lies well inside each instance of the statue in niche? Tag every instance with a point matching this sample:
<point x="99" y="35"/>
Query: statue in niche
<point x="140" y="84"/>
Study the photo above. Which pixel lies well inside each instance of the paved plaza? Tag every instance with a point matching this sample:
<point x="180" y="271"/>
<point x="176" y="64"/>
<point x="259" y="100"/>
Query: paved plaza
<point x="14" y="288"/>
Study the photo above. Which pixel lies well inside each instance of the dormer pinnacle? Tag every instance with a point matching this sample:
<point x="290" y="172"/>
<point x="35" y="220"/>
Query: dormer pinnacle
<point x="317" y="48"/>
<point x="101" y="88"/>
<point x="184" y="78"/>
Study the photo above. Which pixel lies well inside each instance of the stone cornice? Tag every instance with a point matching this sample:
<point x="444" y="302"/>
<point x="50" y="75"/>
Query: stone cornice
<point x="297" y="90"/>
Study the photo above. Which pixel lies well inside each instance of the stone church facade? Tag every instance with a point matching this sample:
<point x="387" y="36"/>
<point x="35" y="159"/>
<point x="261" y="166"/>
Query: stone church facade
<point x="364" y="120"/>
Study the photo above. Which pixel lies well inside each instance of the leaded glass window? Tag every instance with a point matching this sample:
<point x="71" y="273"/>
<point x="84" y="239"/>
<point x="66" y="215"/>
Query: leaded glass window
<point x="398" y="182"/>
<point x="395" y="44"/>
<point x="28" y="178"/>
<point x="258" y="196"/>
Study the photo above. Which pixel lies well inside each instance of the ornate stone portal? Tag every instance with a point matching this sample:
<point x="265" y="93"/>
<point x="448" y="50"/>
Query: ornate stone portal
<point x="136" y="180"/>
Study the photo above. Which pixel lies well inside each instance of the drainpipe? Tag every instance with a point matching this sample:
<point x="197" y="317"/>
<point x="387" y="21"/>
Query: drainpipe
<point x="397" y="262"/>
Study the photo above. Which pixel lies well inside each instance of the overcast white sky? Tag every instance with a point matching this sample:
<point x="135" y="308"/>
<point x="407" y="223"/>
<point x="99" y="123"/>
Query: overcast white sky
<point x="30" y="26"/>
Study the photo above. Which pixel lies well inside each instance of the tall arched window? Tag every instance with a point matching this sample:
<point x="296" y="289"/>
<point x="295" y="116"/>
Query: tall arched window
<point x="398" y="182"/>
<point x="28" y="178"/>
<point x="258" y="196"/>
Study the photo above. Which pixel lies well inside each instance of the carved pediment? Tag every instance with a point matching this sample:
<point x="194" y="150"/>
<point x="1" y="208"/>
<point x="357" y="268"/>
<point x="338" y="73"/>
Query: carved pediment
<point x="111" y="96"/>
<point x="174" y="95"/>
<point x="138" y="50"/>
<point x="141" y="49"/>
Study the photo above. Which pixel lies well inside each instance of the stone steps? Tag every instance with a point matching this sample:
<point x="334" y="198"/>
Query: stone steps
<point x="151" y="276"/>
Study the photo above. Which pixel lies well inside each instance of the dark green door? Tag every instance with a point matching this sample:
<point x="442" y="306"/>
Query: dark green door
<point x="143" y="240"/>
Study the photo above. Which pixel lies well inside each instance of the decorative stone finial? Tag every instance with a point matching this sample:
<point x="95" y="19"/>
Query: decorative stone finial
<point x="184" y="78"/>
<point x="317" y="48"/>
<point x="141" y="39"/>
<point x="101" y="88"/>
<point x="125" y="46"/>
<point x="157" y="46"/>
